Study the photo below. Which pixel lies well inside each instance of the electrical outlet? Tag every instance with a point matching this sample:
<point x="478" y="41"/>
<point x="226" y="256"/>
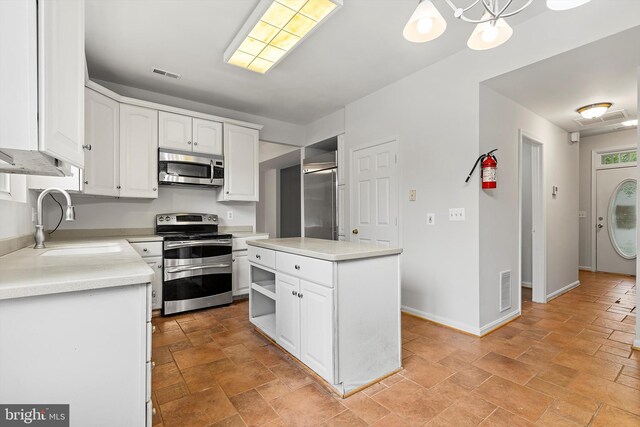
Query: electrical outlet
<point x="582" y="214"/>
<point x="456" y="214"/>
<point x="412" y="195"/>
<point x="431" y="219"/>
<point x="229" y="215"/>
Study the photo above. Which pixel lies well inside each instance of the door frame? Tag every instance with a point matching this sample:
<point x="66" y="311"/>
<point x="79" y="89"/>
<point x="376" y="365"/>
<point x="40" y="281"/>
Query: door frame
<point x="594" y="168"/>
<point x="394" y="140"/>
<point x="538" y="219"/>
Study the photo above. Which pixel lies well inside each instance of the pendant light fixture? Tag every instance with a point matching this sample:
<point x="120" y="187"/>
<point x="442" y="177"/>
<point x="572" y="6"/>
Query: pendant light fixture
<point x="593" y="111"/>
<point x="492" y="30"/>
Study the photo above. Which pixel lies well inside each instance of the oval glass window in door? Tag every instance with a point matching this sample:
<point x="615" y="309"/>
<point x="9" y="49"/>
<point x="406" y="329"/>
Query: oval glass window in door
<point x="622" y="218"/>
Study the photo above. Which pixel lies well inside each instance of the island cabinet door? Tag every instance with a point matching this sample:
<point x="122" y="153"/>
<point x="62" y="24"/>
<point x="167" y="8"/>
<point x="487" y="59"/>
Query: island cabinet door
<point x="316" y="323"/>
<point x="288" y="314"/>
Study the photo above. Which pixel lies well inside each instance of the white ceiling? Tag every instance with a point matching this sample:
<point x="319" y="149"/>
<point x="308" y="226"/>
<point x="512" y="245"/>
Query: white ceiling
<point x="603" y="71"/>
<point x="357" y="51"/>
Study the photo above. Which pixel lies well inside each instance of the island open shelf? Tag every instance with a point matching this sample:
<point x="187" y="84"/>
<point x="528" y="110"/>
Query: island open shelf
<point x="262" y="300"/>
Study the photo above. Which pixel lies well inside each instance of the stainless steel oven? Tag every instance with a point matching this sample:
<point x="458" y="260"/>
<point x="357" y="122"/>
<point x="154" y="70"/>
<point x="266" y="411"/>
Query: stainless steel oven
<point x="186" y="168"/>
<point x="197" y="262"/>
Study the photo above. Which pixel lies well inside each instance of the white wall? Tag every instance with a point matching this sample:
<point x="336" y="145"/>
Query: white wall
<point x="93" y="212"/>
<point x="500" y="121"/>
<point x="587" y="145"/>
<point x="273" y="131"/>
<point x="267" y="209"/>
<point x="527" y="225"/>
<point x="326" y="127"/>
<point x="434" y="113"/>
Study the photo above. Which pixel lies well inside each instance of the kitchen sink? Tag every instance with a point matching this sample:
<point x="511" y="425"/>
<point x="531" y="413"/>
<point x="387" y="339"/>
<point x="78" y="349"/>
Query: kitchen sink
<point x="83" y="250"/>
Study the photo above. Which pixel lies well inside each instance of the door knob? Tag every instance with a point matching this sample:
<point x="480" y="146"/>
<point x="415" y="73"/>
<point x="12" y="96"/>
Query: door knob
<point x="355" y="231"/>
<point x="600" y="225"/>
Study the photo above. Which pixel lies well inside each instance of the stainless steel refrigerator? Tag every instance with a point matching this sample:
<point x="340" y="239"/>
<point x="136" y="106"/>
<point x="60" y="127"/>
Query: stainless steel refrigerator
<point x="321" y="196"/>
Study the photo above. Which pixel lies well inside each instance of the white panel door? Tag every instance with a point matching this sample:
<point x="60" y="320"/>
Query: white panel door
<point x="288" y="314"/>
<point x="61" y="79"/>
<point x="241" y="274"/>
<point x="102" y="136"/>
<point x="207" y="137"/>
<point x="138" y="152"/>
<point x="616" y="220"/>
<point x="316" y="328"/>
<point x="374" y="195"/>
<point x="241" y="163"/>
<point x="174" y="131"/>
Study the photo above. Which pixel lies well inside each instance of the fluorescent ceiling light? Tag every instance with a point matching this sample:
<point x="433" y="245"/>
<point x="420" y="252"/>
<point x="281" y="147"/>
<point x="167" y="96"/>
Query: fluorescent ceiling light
<point x="274" y="28"/>
<point x="565" y="4"/>
<point x="425" y="24"/>
<point x="593" y="111"/>
<point x="490" y="34"/>
<point x="629" y="123"/>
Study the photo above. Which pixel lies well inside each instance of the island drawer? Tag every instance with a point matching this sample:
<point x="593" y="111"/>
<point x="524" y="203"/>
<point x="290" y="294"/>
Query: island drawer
<point x="312" y="269"/>
<point x="146" y="249"/>
<point x="262" y="256"/>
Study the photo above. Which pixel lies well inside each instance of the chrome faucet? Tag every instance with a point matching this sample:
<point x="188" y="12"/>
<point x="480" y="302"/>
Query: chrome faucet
<point x="70" y="214"/>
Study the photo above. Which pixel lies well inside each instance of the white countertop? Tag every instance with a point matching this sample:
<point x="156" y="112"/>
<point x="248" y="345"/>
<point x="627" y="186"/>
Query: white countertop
<point x="329" y="250"/>
<point x="29" y="272"/>
<point x="243" y="234"/>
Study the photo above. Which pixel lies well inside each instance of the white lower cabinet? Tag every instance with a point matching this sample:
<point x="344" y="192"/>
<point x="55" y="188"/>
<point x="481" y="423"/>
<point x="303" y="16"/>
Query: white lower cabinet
<point x="240" y="273"/>
<point x="304" y="322"/>
<point x="151" y="253"/>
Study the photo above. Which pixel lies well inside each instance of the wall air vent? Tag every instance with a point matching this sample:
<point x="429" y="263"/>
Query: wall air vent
<point x="608" y="117"/>
<point x="166" y="73"/>
<point x="505" y="290"/>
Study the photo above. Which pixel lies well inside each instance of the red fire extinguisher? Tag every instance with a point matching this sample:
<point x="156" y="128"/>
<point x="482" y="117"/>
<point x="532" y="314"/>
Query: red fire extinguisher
<point x="489" y="167"/>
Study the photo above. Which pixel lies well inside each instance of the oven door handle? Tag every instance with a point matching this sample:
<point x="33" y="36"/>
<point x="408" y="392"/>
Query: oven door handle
<point x="191" y="243"/>
<point x="197" y="267"/>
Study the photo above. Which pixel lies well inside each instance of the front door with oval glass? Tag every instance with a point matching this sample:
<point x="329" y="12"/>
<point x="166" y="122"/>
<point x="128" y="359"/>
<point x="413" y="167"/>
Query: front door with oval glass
<point x="616" y="220"/>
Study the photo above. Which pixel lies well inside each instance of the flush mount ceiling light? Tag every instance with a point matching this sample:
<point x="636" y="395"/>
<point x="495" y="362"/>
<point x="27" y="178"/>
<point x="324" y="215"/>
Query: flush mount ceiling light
<point x="630" y="123"/>
<point x="426" y="22"/>
<point x="593" y="111"/>
<point x="274" y="28"/>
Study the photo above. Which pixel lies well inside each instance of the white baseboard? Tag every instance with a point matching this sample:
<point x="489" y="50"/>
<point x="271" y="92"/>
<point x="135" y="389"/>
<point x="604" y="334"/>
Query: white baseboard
<point x="442" y="321"/>
<point x="527" y="285"/>
<point x="564" y="290"/>
<point x="499" y="322"/>
<point x="636" y="344"/>
<point x="585" y="268"/>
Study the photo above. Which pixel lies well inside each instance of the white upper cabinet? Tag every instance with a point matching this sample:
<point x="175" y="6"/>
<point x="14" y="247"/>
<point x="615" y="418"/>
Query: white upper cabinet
<point x="241" y="164"/>
<point x="207" y="136"/>
<point x="102" y="151"/>
<point x="184" y="133"/>
<point x="138" y="152"/>
<point x="175" y="131"/>
<point x="61" y="79"/>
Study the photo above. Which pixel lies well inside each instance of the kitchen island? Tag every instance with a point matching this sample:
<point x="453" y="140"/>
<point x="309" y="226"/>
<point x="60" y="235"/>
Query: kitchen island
<point x="334" y="306"/>
<point x="75" y="329"/>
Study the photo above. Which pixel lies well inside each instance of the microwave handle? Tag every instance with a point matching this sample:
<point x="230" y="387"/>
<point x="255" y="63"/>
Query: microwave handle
<point x="213" y="170"/>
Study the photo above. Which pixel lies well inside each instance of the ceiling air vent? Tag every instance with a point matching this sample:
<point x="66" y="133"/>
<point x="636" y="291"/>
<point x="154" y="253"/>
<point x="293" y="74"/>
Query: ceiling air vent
<point x="505" y="290"/>
<point x="608" y="117"/>
<point x="166" y="73"/>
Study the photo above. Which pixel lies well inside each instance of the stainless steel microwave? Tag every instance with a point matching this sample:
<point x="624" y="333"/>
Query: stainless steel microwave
<point x="187" y="168"/>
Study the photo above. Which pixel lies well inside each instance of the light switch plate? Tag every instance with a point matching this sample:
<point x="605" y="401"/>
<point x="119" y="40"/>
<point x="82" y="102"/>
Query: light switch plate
<point x="456" y="214"/>
<point x="431" y="219"/>
<point x="582" y="214"/>
<point x="230" y="215"/>
<point x="412" y="195"/>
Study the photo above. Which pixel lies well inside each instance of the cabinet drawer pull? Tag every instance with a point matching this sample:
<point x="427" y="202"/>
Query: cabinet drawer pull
<point x="145" y="250"/>
<point x="300" y="295"/>
<point x="294" y="293"/>
<point x="258" y="256"/>
<point x="189" y="142"/>
<point x="87" y="147"/>
<point x="195" y="143"/>
<point x="297" y="267"/>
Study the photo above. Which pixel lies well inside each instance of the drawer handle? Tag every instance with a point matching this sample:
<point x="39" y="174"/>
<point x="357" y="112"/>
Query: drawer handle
<point x="297" y="267"/>
<point x="258" y="256"/>
<point x="145" y="250"/>
<point x="294" y="293"/>
<point x="300" y="295"/>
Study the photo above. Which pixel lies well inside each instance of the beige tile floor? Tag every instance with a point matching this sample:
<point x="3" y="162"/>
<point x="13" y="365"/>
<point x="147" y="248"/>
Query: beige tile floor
<point x="566" y="363"/>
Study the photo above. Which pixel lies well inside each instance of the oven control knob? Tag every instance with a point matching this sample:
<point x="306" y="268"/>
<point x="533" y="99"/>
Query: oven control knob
<point x="210" y="218"/>
<point x="161" y="219"/>
<point x="166" y="218"/>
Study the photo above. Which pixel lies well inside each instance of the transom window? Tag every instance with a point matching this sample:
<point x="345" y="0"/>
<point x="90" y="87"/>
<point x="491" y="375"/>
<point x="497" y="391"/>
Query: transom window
<point x="619" y="157"/>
